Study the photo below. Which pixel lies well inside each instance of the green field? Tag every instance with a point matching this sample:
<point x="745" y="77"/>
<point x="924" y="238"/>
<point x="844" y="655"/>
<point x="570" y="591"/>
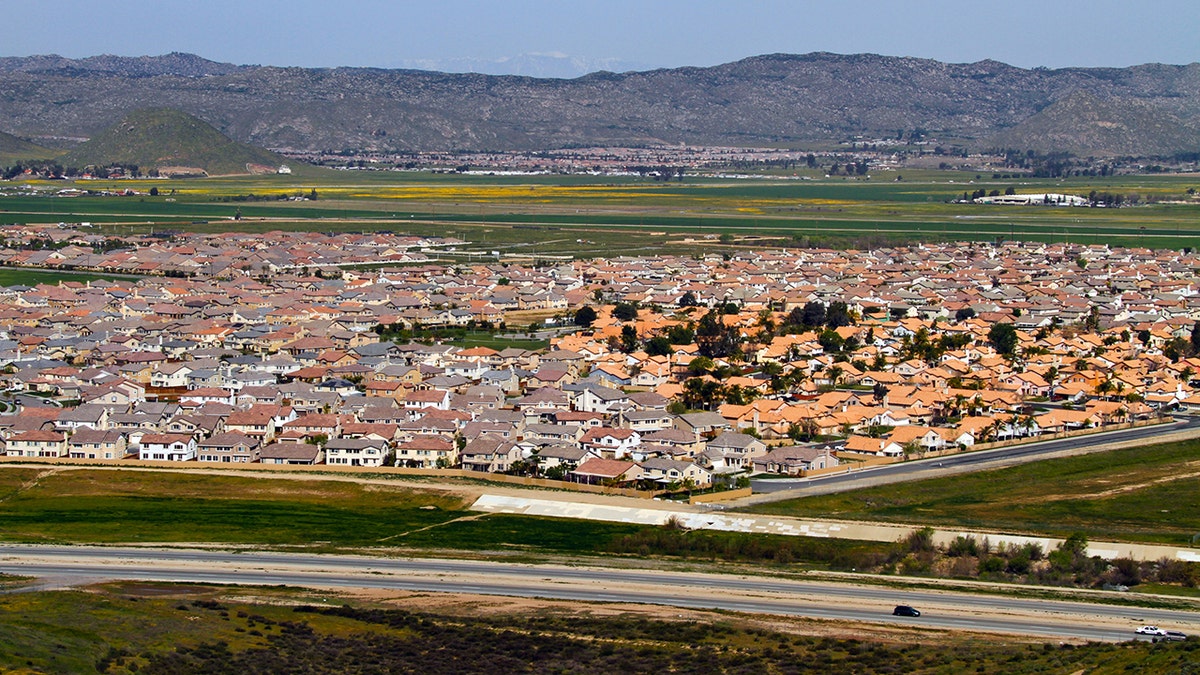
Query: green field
<point x="1146" y="494"/>
<point x="130" y="506"/>
<point x="29" y="277"/>
<point x="586" y="215"/>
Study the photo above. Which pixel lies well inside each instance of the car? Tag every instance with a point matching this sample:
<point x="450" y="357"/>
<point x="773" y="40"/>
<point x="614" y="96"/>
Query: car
<point x="905" y="610"/>
<point x="1151" y="630"/>
<point x="1175" y="635"/>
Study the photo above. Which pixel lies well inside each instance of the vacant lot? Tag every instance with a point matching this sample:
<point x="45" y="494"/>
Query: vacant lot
<point x="1147" y="494"/>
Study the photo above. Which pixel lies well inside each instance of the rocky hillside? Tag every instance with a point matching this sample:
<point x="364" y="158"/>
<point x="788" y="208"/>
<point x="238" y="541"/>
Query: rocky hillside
<point x="774" y="99"/>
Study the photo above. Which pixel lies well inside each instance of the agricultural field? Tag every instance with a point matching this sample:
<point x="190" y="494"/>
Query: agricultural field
<point x="1145" y="494"/>
<point x="597" y="215"/>
<point x="166" y="628"/>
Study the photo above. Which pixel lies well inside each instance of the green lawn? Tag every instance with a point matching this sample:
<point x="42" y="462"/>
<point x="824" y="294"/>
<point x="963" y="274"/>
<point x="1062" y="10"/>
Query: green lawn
<point x="1147" y="494"/>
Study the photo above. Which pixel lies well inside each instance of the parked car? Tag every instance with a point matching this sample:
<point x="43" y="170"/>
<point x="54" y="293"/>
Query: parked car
<point x="1151" y="630"/>
<point x="905" y="610"/>
<point x="1175" y="635"/>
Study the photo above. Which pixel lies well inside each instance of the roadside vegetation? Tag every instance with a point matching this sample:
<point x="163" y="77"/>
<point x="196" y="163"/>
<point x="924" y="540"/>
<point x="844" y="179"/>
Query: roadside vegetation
<point x="180" y="629"/>
<point x="129" y="506"/>
<point x="1144" y="494"/>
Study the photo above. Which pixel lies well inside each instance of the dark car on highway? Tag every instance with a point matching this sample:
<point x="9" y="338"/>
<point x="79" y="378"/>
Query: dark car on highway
<point x="905" y="610"/>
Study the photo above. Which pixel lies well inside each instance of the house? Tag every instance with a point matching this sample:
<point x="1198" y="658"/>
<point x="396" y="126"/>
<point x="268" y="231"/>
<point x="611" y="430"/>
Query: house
<point x="291" y="453"/>
<point x="706" y="424"/>
<point x="665" y="471"/>
<point x="598" y="471"/>
<point x="230" y="446"/>
<point x="873" y="446"/>
<point x="86" y="415"/>
<point x="924" y="438"/>
<point x="555" y="457"/>
<point x="427" y="451"/>
<point x="596" y="398"/>
<point x="309" y="427"/>
<point x="167" y="447"/>
<point x="36" y="443"/>
<point x="610" y="442"/>
<point x="794" y="460"/>
<point x="355" y="452"/>
<point x="680" y="441"/>
<point x="427" y="398"/>
<point x="88" y="443"/>
<point x="170" y="375"/>
<point x="646" y="420"/>
<point x="490" y="453"/>
<point x="743" y="445"/>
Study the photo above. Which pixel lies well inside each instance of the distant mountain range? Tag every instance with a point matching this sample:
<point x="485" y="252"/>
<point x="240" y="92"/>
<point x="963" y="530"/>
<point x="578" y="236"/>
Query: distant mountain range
<point x="534" y="64"/>
<point x="779" y="99"/>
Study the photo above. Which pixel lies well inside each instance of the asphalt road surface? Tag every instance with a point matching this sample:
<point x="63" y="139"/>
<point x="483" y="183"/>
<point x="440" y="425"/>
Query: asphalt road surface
<point x="928" y="468"/>
<point x="1044" y="619"/>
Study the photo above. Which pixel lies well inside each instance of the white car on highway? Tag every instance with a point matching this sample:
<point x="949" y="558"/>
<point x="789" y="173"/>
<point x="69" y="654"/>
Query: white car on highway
<point x="1151" y="630"/>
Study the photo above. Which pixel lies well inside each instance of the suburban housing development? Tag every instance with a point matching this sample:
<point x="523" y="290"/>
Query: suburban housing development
<point x="662" y="371"/>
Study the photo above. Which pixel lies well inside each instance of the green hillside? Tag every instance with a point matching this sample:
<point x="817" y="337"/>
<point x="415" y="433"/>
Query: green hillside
<point x="162" y="137"/>
<point x="13" y="149"/>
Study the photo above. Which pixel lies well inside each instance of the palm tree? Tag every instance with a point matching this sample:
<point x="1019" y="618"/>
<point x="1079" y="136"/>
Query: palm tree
<point x="834" y="373"/>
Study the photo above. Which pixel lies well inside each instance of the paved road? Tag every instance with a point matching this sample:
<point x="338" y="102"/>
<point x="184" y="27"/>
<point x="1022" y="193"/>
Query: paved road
<point x="928" y="468"/>
<point x="1051" y="620"/>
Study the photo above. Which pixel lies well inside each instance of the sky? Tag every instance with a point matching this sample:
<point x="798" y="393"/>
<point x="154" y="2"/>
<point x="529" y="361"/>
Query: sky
<point x="463" y="34"/>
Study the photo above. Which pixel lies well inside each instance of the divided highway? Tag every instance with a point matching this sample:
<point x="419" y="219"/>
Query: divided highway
<point x="1043" y="619"/>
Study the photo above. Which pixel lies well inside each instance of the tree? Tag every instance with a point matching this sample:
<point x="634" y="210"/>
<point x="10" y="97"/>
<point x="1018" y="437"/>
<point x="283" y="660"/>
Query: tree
<point x="680" y="334"/>
<point x="831" y="340"/>
<point x="714" y="339"/>
<point x="688" y="299"/>
<point x="1003" y="338"/>
<point x="964" y="313"/>
<point x="659" y="346"/>
<point x="812" y="314"/>
<point x="838" y="315"/>
<point x="629" y="338"/>
<point x="700" y="365"/>
<point x="625" y="311"/>
<point x="585" y="316"/>
<point x="834" y="374"/>
<point x="154" y="191"/>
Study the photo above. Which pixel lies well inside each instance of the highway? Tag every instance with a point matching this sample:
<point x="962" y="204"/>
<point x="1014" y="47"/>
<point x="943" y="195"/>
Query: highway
<point x="1051" y="620"/>
<point x="967" y="461"/>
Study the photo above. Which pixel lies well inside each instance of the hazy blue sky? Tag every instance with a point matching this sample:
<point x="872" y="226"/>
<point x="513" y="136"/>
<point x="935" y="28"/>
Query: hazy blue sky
<point x="644" y="32"/>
